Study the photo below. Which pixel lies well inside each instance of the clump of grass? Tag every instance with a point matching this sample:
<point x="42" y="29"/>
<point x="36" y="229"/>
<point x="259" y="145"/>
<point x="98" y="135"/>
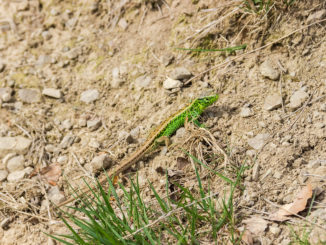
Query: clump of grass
<point x="110" y="218"/>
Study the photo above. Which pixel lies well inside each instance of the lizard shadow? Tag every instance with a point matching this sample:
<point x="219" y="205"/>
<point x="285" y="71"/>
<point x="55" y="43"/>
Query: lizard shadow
<point x="220" y="111"/>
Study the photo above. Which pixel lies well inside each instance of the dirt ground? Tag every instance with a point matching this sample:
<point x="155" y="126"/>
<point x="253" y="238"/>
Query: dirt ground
<point x="80" y="80"/>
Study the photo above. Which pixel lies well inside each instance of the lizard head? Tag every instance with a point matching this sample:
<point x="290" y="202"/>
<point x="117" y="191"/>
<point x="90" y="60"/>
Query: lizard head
<point x="207" y="101"/>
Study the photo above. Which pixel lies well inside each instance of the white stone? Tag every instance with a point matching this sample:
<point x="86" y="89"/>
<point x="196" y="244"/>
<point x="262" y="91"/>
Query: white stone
<point x="29" y="95"/>
<point x="267" y="70"/>
<point x="258" y="141"/>
<point x="52" y="92"/>
<point x="313" y="17"/>
<point x="16" y="144"/>
<point x="180" y="73"/>
<point x="3" y="175"/>
<point x="170" y="83"/>
<point x="55" y="195"/>
<point x="246" y="112"/>
<point x="272" y="102"/>
<point x="16" y="163"/>
<point x="89" y="96"/>
<point x="297" y="99"/>
<point x="101" y="161"/>
<point x="16" y="176"/>
<point x="143" y="81"/>
<point x="94" y="124"/>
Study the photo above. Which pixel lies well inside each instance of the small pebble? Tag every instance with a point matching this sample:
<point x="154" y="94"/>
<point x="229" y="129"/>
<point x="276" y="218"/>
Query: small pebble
<point x="102" y="161"/>
<point x="297" y="99"/>
<point x="275" y="230"/>
<point x="29" y="95"/>
<point x="267" y="70"/>
<point x="67" y="141"/>
<point x="93" y="125"/>
<point x="16" y="176"/>
<point x="272" y="102"/>
<point x="170" y="83"/>
<point x="52" y="92"/>
<point x="15" y="163"/>
<point x="258" y="141"/>
<point x="55" y="195"/>
<point x="180" y="73"/>
<point x="3" y="175"/>
<point x="66" y="124"/>
<point x="62" y="159"/>
<point x="89" y="96"/>
<point x="143" y="81"/>
<point x="246" y="112"/>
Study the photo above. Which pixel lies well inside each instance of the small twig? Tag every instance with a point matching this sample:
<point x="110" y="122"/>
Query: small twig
<point x="81" y="167"/>
<point x="142" y="19"/>
<point x="24" y="130"/>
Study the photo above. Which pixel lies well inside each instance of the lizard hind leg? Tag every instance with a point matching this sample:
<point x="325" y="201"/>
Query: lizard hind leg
<point x="164" y="139"/>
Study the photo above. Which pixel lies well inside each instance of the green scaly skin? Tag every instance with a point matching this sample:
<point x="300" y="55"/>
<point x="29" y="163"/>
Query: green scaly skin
<point x="192" y="112"/>
<point x="166" y="129"/>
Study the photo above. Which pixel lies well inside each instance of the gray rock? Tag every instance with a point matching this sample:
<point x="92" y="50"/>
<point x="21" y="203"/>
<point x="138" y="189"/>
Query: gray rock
<point x="16" y="144"/>
<point x="15" y="163"/>
<point x="16" y="176"/>
<point x="143" y="81"/>
<point x="82" y="122"/>
<point x="135" y="132"/>
<point x="255" y="172"/>
<point x="94" y="124"/>
<point x="115" y="73"/>
<point x="29" y="95"/>
<point x="275" y="230"/>
<point x="5" y="94"/>
<point x="246" y="112"/>
<point x="272" y="102"/>
<point x="323" y="107"/>
<point x="28" y="170"/>
<point x="102" y="161"/>
<point x="94" y="143"/>
<point x="258" y="141"/>
<point x="6" y="97"/>
<point x="313" y="17"/>
<point x="89" y="96"/>
<point x="67" y="141"/>
<point x="51" y="148"/>
<point x="123" y="24"/>
<point x="55" y="195"/>
<point x="297" y="99"/>
<point x="62" y="159"/>
<point x="66" y="124"/>
<point x="73" y="54"/>
<point x="43" y="59"/>
<point x="180" y="73"/>
<point x="170" y="83"/>
<point x="46" y="35"/>
<point x="267" y="70"/>
<point x="52" y="92"/>
<point x="3" y="175"/>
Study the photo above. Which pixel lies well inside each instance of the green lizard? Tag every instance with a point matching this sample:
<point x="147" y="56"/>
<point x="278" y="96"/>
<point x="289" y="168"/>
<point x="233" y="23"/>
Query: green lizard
<point x="166" y="129"/>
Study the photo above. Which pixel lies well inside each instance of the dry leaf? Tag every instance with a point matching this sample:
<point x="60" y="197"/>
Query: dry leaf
<point x="247" y="237"/>
<point x="256" y="225"/>
<point x="51" y="173"/>
<point x="295" y="207"/>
